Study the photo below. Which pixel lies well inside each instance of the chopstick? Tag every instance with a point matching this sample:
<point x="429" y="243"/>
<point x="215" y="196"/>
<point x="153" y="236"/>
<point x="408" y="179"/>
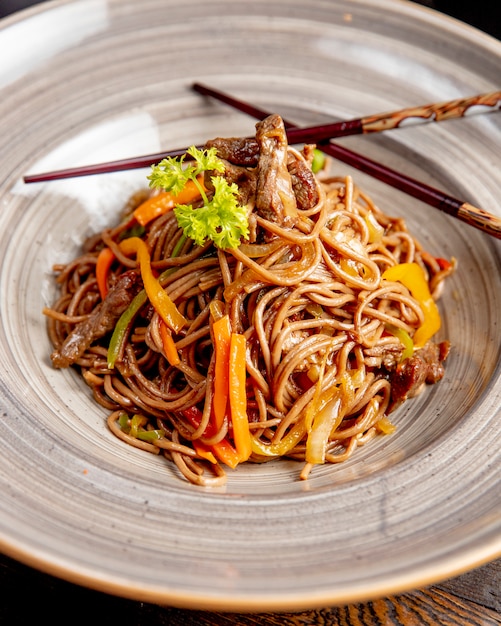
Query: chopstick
<point x="103" y="168"/>
<point x="464" y="211"/>
<point x="314" y="134"/>
<point x="436" y="112"/>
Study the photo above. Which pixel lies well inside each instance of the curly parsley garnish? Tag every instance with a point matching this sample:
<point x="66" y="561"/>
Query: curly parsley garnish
<point x="221" y="219"/>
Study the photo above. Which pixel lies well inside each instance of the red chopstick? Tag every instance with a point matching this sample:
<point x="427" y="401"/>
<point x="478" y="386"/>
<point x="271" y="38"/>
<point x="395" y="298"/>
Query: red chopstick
<point x="103" y="168"/>
<point x="436" y="112"/>
<point x="314" y="134"/>
<point x="460" y="209"/>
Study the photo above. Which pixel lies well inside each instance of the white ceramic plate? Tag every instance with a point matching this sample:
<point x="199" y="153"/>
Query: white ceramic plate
<point x="90" y="80"/>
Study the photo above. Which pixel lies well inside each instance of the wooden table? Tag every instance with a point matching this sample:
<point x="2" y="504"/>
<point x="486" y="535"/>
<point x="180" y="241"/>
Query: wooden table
<point x="472" y="599"/>
<point x="26" y="594"/>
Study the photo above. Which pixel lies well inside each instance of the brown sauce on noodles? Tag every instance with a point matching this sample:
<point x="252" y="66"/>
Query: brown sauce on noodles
<point x="306" y="292"/>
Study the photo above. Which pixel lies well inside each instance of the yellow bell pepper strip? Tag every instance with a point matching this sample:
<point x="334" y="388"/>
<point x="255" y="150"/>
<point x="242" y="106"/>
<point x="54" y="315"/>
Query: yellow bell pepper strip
<point x="412" y="276"/>
<point x="160" y="300"/>
<point x="123" y="325"/>
<point x="284" y="446"/>
<point x="221" y="329"/>
<point x="168" y="344"/>
<point x="238" y="396"/>
<point x="104" y="261"/>
<point x="165" y="201"/>
<point x="223" y="449"/>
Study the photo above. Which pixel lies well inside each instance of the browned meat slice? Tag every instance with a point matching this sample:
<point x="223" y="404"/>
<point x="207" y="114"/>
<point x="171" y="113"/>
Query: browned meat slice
<point x="425" y="366"/>
<point x="236" y="150"/>
<point x="101" y="321"/>
<point x="244" y="178"/>
<point x="241" y="154"/>
<point x="275" y="199"/>
<point x="303" y="184"/>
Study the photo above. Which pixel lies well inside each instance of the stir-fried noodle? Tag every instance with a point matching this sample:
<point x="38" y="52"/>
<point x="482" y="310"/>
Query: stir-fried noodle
<point x="331" y="341"/>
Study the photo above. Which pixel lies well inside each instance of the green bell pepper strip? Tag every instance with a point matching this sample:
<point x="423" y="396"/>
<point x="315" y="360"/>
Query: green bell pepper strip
<point x="404" y="338"/>
<point x="318" y="162"/>
<point x="123" y="325"/>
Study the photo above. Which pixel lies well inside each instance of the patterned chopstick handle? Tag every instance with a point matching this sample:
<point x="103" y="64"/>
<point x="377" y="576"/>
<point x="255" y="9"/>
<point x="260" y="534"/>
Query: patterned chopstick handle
<point x="485" y="103"/>
<point x="480" y="219"/>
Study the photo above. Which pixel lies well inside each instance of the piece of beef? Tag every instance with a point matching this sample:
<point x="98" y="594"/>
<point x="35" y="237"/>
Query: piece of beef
<point x="244" y="178"/>
<point x="241" y="154"/>
<point x="425" y="366"/>
<point x="101" y="321"/>
<point x="237" y="150"/>
<point x="275" y="199"/>
<point x="303" y="184"/>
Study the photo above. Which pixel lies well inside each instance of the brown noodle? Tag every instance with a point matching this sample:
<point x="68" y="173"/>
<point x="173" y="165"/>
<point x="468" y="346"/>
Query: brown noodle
<point x="309" y="300"/>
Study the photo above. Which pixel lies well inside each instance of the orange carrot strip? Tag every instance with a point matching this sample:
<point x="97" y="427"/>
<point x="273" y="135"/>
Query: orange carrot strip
<point x="222" y="337"/>
<point x="168" y="343"/>
<point x="238" y="396"/>
<point x="204" y="451"/>
<point x="223" y="449"/>
<point x="104" y="260"/>
<point x="165" y="201"/>
<point x="226" y="453"/>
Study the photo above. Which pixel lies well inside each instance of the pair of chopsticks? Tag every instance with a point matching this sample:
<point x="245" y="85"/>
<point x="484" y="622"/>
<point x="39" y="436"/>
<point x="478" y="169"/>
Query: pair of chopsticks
<point x="322" y="135"/>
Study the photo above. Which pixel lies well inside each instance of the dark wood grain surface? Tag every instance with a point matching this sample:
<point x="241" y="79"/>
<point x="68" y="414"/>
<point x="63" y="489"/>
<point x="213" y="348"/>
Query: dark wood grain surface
<point x="29" y="596"/>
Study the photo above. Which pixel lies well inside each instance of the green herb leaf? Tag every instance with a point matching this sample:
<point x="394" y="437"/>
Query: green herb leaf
<point x="221" y="219"/>
<point x="206" y="160"/>
<point x="171" y="174"/>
